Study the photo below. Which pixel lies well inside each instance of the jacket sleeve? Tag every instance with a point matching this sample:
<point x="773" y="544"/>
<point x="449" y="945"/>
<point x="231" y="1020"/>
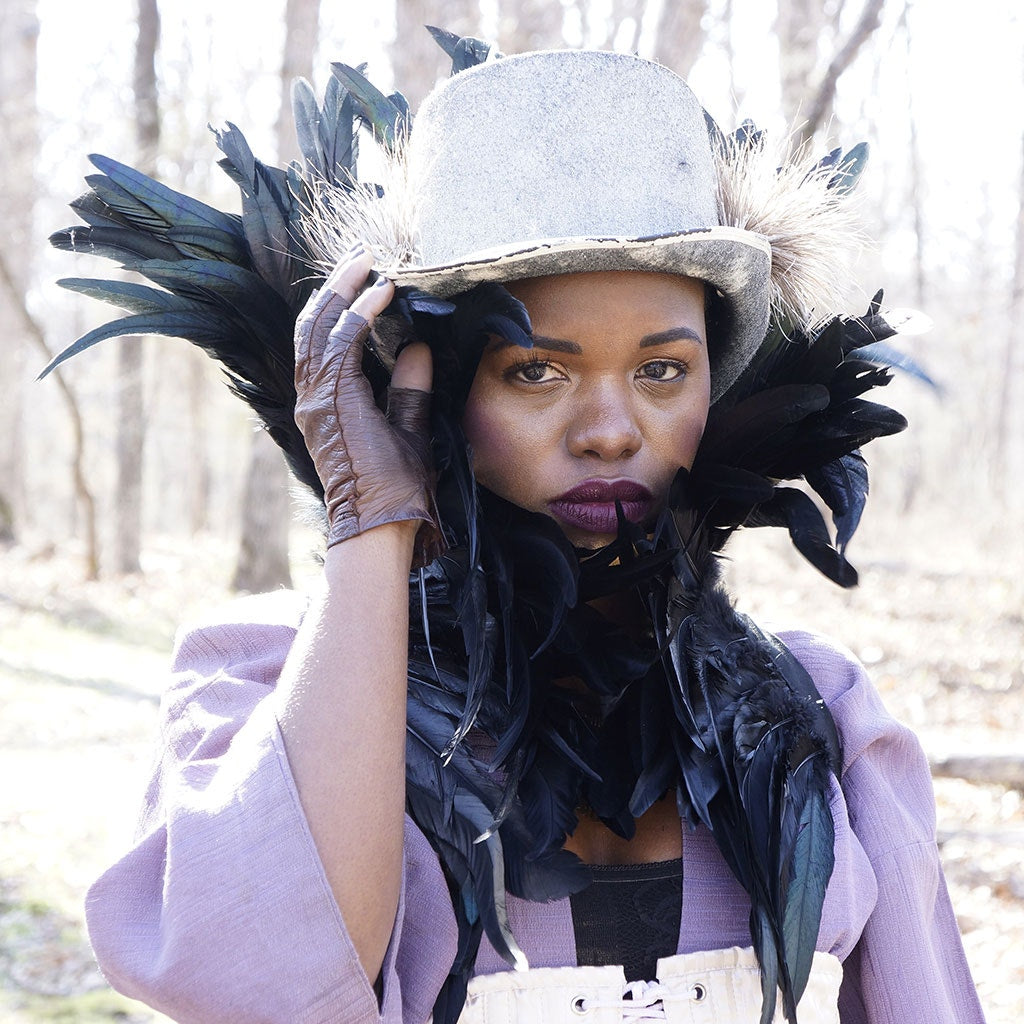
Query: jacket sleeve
<point x="221" y="911"/>
<point x="909" y="963"/>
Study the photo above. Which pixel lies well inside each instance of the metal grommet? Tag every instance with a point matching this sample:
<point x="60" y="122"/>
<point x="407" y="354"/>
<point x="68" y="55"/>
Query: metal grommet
<point x="698" y="993"/>
<point x="579" y="1005"/>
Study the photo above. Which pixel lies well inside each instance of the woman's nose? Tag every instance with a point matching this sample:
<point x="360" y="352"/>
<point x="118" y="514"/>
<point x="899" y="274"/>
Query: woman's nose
<point x="604" y="424"/>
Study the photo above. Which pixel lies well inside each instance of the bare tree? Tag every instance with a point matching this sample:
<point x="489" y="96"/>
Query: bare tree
<point x="131" y="428"/>
<point x="729" y="50"/>
<point x="19" y="134"/>
<point x="680" y="34"/>
<point x="418" y="61"/>
<point x="808" y="81"/>
<point x="301" y="34"/>
<point x="916" y="176"/>
<point x="198" y="430"/>
<point x="1014" y="338"/>
<point x="190" y="385"/>
<point x="539" y="24"/>
<point x="262" y="562"/>
<point x="799" y="26"/>
<point x="627" y="13"/>
<point x="11" y="294"/>
<point x="530" y="25"/>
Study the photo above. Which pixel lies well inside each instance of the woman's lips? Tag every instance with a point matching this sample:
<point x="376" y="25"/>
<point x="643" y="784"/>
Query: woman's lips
<point x="590" y="505"/>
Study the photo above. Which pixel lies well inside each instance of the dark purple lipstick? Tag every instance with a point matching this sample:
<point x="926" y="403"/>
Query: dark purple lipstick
<point x="590" y="505"/>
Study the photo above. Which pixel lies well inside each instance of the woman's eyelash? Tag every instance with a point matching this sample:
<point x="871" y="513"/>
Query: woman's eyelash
<point x="519" y="366"/>
<point x="676" y="368"/>
<point x="669" y="370"/>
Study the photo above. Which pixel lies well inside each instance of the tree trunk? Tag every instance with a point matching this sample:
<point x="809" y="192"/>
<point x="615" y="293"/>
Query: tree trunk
<point x="799" y="28"/>
<point x="418" y="61"/>
<point x="262" y="562"/>
<point x="982" y="769"/>
<point x="916" y="177"/>
<point x="189" y="388"/>
<point x="626" y="13"/>
<point x="266" y="514"/>
<point x="808" y="81"/>
<point x="301" y="33"/>
<point x="129" y="443"/>
<point x="200" y="479"/>
<point x="530" y="25"/>
<point x="12" y="296"/>
<point x="820" y="107"/>
<point x="680" y="34"/>
<point x="19" y="135"/>
<point x="131" y="422"/>
<point x="729" y="48"/>
<point x="1014" y="336"/>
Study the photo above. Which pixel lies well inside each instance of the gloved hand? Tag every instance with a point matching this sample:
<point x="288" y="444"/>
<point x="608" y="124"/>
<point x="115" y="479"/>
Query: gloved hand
<point x="375" y="466"/>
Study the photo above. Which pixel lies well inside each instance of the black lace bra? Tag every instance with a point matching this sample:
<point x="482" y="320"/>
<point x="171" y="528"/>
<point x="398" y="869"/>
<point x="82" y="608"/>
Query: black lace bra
<point x="629" y="915"/>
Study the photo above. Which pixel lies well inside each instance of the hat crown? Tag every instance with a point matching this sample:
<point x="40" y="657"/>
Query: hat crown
<point x="555" y="145"/>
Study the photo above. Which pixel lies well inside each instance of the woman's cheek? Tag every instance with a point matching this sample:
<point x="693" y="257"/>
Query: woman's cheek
<point x="688" y="428"/>
<point x="692" y="433"/>
<point x="488" y="436"/>
<point x="508" y="453"/>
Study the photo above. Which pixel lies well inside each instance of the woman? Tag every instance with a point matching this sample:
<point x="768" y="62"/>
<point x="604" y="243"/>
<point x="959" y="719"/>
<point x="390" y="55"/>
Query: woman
<point x="553" y="744"/>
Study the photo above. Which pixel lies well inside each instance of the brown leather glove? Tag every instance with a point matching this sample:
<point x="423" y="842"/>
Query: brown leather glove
<point x="375" y="466"/>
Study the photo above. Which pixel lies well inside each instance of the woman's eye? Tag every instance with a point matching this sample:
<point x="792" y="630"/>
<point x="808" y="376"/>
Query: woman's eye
<point x="535" y="372"/>
<point x="662" y="369"/>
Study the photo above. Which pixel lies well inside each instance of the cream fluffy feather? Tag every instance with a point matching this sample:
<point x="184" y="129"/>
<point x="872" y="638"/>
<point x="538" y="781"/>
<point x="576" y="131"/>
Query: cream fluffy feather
<point x="338" y="218"/>
<point x="814" y="231"/>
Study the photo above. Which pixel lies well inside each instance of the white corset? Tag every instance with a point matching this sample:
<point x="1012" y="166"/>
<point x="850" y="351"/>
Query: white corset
<point x="721" y="986"/>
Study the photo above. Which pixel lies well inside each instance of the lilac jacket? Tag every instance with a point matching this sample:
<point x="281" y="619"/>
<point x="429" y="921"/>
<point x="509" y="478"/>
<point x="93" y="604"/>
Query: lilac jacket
<point x="221" y="914"/>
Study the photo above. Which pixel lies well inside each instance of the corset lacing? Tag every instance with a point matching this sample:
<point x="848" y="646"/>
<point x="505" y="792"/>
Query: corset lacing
<point x="641" y="1001"/>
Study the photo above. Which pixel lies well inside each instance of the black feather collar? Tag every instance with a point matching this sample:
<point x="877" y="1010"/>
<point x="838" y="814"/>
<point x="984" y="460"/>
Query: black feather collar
<point x="702" y="702"/>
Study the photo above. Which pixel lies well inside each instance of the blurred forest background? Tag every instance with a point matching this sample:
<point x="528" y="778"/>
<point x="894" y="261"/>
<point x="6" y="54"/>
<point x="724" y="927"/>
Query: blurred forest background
<point x="134" y="491"/>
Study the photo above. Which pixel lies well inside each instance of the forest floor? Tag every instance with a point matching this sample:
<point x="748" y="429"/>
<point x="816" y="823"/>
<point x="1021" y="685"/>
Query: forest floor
<point x="940" y="627"/>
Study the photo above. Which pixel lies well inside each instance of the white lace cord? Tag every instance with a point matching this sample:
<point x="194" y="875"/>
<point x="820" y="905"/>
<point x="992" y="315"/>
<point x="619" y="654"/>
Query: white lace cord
<point x="641" y="1000"/>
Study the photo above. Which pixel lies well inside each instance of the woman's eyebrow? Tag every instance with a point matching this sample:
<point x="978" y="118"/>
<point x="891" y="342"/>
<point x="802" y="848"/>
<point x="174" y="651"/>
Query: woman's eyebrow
<point x="571" y="347"/>
<point x="541" y="341"/>
<point x="672" y="334"/>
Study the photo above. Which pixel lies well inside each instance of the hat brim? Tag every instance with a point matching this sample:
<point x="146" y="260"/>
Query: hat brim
<point x="735" y="262"/>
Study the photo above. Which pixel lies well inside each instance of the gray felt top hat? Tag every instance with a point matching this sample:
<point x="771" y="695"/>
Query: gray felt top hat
<point x="569" y="161"/>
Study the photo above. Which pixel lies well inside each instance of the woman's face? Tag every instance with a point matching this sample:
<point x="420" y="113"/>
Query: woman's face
<point x="609" y="403"/>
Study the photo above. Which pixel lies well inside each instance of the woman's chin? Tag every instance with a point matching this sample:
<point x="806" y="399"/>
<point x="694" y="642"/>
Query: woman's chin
<point x="591" y="542"/>
<point x="585" y="540"/>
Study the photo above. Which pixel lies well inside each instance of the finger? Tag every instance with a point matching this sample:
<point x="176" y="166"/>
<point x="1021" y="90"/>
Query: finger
<point x="313" y="330"/>
<point x="322" y="313"/>
<point x="349" y="276"/>
<point x="344" y="354"/>
<point x="408" y="413"/>
<point x="414" y="368"/>
<point x="375" y="299"/>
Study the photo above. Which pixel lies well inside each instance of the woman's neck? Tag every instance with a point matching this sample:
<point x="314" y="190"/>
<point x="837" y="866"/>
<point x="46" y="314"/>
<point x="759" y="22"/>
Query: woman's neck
<point x="659" y="836"/>
<point x="624" y="609"/>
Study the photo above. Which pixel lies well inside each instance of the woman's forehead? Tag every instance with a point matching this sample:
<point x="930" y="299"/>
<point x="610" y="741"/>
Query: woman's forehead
<point x="652" y="340"/>
<point x="651" y="309"/>
<point x="615" y="282"/>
